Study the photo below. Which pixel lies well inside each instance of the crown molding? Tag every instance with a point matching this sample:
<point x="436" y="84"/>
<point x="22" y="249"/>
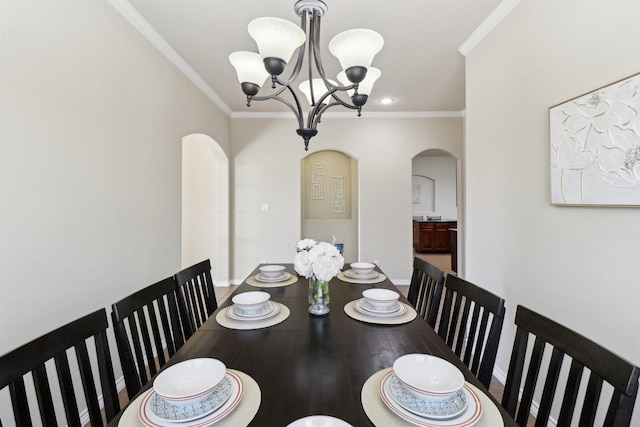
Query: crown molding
<point x="496" y="17"/>
<point x="129" y="13"/>
<point x="352" y="115"/>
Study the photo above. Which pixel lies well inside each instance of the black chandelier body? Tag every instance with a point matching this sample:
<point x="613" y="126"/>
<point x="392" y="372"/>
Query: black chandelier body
<point x="355" y="76"/>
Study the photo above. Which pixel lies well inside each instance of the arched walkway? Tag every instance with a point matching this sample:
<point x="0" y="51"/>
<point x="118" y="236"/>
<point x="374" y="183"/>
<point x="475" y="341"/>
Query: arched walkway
<point x="205" y="205"/>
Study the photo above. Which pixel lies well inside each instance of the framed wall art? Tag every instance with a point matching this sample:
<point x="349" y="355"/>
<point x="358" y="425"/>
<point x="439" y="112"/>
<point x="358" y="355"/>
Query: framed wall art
<point x="595" y="147"/>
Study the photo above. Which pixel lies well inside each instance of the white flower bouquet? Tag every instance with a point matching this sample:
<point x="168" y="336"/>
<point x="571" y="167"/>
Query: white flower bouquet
<point x="322" y="260"/>
<point x="318" y="262"/>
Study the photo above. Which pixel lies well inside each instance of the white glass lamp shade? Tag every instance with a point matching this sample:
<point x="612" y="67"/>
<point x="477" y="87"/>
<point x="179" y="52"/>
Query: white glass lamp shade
<point x="249" y="67"/>
<point x="366" y="86"/>
<point x="275" y="37"/>
<point x="319" y="89"/>
<point x="356" y="48"/>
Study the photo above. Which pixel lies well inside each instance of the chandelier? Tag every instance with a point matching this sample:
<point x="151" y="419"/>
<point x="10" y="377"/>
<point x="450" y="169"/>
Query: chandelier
<point x="277" y="40"/>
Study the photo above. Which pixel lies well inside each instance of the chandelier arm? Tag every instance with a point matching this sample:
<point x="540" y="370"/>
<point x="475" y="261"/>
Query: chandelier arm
<point x="296" y="111"/>
<point x="270" y="96"/>
<point x="315" y="34"/>
<point x="318" y="114"/>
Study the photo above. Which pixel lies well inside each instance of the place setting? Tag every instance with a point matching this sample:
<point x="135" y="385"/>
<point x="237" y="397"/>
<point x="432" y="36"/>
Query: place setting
<point x="426" y="391"/>
<point x="381" y="306"/>
<point x="361" y="273"/>
<point x="252" y="310"/>
<point x="195" y="393"/>
<point x="272" y="276"/>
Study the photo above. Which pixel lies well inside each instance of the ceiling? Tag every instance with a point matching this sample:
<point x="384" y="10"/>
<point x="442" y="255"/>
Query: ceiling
<point x="422" y="69"/>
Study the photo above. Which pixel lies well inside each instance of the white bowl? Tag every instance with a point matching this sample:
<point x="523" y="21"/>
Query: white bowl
<point x="188" y="382"/>
<point x="381" y="299"/>
<point x="249" y="302"/>
<point x="362" y="268"/>
<point x="271" y="271"/>
<point x="428" y="377"/>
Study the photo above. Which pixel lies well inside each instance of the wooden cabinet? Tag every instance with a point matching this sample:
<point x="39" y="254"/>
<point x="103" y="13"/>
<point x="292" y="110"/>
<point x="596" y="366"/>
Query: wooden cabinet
<point x="432" y="236"/>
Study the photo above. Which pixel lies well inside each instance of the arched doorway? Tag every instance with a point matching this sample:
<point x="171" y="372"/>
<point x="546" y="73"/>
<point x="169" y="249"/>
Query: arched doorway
<point x="205" y="205"/>
<point x="435" y="178"/>
<point x="330" y="200"/>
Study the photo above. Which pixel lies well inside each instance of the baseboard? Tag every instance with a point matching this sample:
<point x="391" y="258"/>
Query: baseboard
<point x="84" y="415"/>
<point x="502" y="378"/>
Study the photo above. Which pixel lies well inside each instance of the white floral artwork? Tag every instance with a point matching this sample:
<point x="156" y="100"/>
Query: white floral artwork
<point x="595" y="147"/>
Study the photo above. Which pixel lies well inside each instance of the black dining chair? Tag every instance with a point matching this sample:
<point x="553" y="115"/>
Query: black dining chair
<point x="30" y="358"/>
<point x="470" y="323"/>
<point x="148" y="331"/>
<point x="195" y="286"/>
<point x="607" y="372"/>
<point x="425" y="289"/>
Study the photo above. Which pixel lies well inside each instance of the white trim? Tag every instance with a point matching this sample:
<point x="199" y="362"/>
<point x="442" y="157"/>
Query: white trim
<point x="353" y="115"/>
<point x="84" y="415"/>
<point x="499" y="13"/>
<point x="502" y="378"/>
<point x="221" y="283"/>
<point x="129" y="13"/>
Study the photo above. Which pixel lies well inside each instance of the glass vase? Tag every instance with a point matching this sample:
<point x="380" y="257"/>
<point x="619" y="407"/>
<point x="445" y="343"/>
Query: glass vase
<point x="318" y="297"/>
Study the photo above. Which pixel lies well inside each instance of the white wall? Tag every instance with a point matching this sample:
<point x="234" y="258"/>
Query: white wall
<point x="443" y="170"/>
<point x="266" y="156"/>
<point x="92" y="121"/>
<point x="577" y="265"/>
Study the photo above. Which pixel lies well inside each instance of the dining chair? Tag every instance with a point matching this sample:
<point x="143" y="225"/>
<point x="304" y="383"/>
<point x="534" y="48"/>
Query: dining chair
<point x="195" y="286"/>
<point x="30" y="358"/>
<point x="620" y="377"/>
<point x="471" y="323"/>
<point x="425" y="289"/>
<point x="148" y="331"/>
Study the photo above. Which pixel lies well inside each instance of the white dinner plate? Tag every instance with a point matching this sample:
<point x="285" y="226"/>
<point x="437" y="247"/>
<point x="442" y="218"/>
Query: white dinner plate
<point x="351" y="274"/>
<point x="264" y="310"/>
<point x="233" y="315"/>
<point x="169" y="412"/>
<point x="149" y="419"/>
<point x="366" y="305"/>
<point x="319" y="421"/>
<point x="279" y="278"/>
<point x="357" y="305"/>
<point x="434" y="409"/>
<point x="468" y="418"/>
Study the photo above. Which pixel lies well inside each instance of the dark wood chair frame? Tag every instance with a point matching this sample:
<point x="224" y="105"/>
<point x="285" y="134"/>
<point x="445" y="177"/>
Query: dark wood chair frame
<point x="32" y="356"/>
<point x="604" y="366"/>
<point x="425" y="290"/>
<point x="145" y="323"/>
<point x="196" y="288"/>
<point x="471" y="324"/>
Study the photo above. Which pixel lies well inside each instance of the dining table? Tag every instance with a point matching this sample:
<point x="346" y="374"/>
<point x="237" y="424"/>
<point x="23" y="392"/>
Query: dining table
<point x="299" y="365"/>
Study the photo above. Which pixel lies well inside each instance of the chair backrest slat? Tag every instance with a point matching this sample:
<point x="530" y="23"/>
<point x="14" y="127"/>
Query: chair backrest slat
<point x="31" y="358"/>
<point x="88" y="383"/>
<point x="470" y="323"/>
<point x="43" y="392"/>
<point x="66" y="388"/>
<point x="146" y="323"/>
<point x="19" y="402"/>
<point x="603" y="367"/>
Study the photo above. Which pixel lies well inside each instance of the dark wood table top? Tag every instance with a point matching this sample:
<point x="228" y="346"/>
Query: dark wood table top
<point x="315" y="365"/>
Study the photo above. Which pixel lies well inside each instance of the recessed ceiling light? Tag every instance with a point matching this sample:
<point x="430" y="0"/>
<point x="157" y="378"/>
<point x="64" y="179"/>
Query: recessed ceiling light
<point x="386" y="101"/>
